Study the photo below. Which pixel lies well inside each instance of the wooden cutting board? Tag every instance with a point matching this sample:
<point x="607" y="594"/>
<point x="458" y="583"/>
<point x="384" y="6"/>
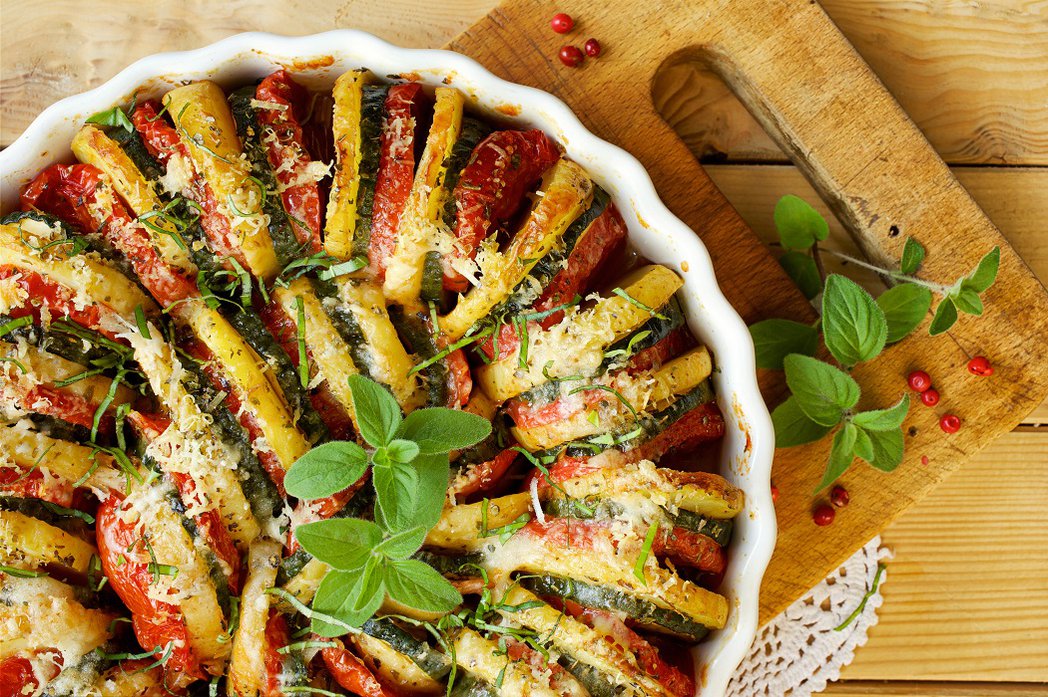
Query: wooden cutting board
<point x="807" y="86"/>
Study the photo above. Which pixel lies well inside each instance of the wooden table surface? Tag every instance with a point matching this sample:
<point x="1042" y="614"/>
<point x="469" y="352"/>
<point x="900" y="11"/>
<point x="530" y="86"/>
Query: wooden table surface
<point x="966" y="603"/>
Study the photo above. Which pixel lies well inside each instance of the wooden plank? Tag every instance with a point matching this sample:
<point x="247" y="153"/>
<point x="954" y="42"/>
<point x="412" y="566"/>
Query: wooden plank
<point x="47" y="56"/>
<point x="972" y="75"/>
<point x="860" y="688"/>
<point x="967" y="591"/>
<point x="1014" y="198"/>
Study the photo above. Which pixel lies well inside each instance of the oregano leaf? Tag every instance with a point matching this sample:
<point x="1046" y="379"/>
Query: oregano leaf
<point x="842" y="454"/>
<point x="112" y="117"/>
<point x="439" y="430"/>
<point x="985" y="272"/>
<point x="912" y="256"/>
<point x="884" y="419"/>
<point x="326" y="469"/>
<point x="945" y="317"/>
<point x="904" y="307"/>
<point x="396" y="496"/>
<point x="793" y="427"/>
<point x="863" y="445"/>
<point x="774" y="339"/>
<point x="342" y="543"/>
<point x="352" y="597"/>
<point x="420" y="586"/>
<point x="799" y="225"/>
<point x="823" y="392"/>
<point x="887" y="449"/>
<point x="402" y="545"/>
<point x="377" y="412"/>
<point x="402" y="451"/>
<point x="968" y="301"/>
<point x="853" y="324"/>
<point x="802" y="270"/>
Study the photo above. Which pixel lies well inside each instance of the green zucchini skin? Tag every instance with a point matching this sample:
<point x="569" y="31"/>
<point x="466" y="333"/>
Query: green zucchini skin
<point x="595" y="508"/>
<point x="650" y="426"/>
<point x="372" y="111"/>
<point x="433" y="663"/>
<point x="218" y="577"/>
<point x="67" y="340"/>
<point x="259" y="489"/>
<point x="44" y="511"/>
<point x="596" y="683"/>
<point x="432" y="290"/>
<point x="250" y="326"/>
<point x="345" y="324"/>
<point x="472" y="132"/>
<point x="453" y="565"/>
<point x="284" y="241"/>
<point x="659" y="328"/>
<point x="471" y="686"/>
<point x="133" y="146"/>
<point x="547" y="267"/>
<point x="88" y="670"/>
<point x="62" y="430"/>
<point x="642" y="612"/>
<point x="416" y="335"/>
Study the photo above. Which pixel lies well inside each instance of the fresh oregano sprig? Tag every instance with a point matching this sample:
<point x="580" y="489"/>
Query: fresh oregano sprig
<point x="410" y="470"/>
<point x="855" y="328"/>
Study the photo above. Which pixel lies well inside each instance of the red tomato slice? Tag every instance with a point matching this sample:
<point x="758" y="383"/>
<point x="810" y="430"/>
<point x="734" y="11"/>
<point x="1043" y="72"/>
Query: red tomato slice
<point x="60" y="301"/>
<point x="670" y="346"/>
<point x="18" y="678"/>
<point x="51" y="401"/>
<point x="69" y="192"/>
<point x="163" y="141"/>
<point x="351" y="673"/>
<point x="650" y="661"/>
<point x="31" y="484"/>
<point x="277" y="636"/>
<point x="285" y="331"/>
<point x="502" y="169"/>
<point x="702" y="424"/>
<point x="396" y="170"/>
<point x="301" y="198"/>
<point x="563" y="469"/>
<point x="483" y="477"/>
<point x="601" y="241"/>
<point x="125" y="562"/>
<point x="212" y="369"/>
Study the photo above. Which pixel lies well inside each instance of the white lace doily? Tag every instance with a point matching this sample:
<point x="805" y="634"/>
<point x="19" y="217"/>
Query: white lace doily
<point x="800" y="651"/>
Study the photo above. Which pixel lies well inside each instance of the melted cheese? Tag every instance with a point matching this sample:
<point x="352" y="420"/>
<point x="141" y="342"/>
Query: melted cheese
<point x="69" y="462"/>
<point x="247" y="668"/>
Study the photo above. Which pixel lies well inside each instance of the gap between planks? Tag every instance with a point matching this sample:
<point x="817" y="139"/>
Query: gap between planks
<point x="871" y="688"/>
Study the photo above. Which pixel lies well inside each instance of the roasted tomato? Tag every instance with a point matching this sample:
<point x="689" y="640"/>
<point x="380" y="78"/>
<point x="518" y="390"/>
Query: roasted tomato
<point x="126" y="563"/>
<point x="702" y="424"/>
<point x="19" y="678"/>
<point x="485" y="476"/>
<point x="396" y="169"/>
<point x="491" y="188"/>
<point x="351" y="673"/>
<point x="285" y="105"/>
<point x="71" y="192"/>
<point x="59" y="301"/>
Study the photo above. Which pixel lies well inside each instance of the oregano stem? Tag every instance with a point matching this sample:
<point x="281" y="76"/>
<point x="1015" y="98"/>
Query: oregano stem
<point x="816" y="256"/>
<point x="937" y="287"/>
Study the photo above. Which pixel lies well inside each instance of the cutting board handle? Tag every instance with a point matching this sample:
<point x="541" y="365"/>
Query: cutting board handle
<point x="805" y="83"/>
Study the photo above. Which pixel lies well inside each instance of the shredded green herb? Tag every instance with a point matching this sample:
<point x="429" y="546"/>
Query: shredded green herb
<point x="633" y="301"/>
<point x="645" y="551"/>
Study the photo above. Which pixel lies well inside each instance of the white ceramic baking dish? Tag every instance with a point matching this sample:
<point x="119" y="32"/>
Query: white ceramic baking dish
<point x="749" y="443"/>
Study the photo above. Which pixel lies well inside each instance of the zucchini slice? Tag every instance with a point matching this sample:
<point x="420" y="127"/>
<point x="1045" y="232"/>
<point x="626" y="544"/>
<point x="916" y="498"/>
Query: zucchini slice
<point x="702" y="493"/>
<point x="388" y="360"/>
<point x="461" y="527"/>
<point x="576" y="345"/>
<point x="93" y="147"/>
<point x="394" y="667"/>
<point x="42" y="367"/>
<point x="92" y="281"/>
<point x="644" y="393"/>
<point x="566" y="192"/>
<point x="66" y="461"/>
<point x="28" y="543"/>
<point x="421" y="232"/>
<point x="329" y="351"/>
<point x="247" y="671"/>
<point x="251" y="377"/>
<point x="304" y="584"/>
<point x="357" y="129"/>
<point x="433" y="663"/>
<point x="192" y="588"/>
<point x="616" y="667"/>
<point x="484" y="659"/>
<point x="206" y="128"/>
<point x="642" y="612"/>
<point x="44" y="614"/>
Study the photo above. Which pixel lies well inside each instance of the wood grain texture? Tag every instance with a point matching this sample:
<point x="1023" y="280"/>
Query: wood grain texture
<point x="874" y="169"/>
<point x="1014" y="198"/>
<point x="966" y="597"/>
<point x="972" y="75"/>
